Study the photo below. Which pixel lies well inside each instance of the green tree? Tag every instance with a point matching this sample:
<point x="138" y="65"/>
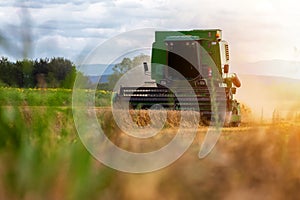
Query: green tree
<point x="25" y="70"/>
<point x="40" y="72"/>
<point x="55" y="72"/>
<point x="8" y="72"/>
<point x="61" y="67"/>
<point x="68" y="81"/>
<point x="62" y="71"/>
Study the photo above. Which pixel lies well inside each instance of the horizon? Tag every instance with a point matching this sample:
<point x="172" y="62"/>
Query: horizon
<point x="90" y="68"/>
<point x="255" y="30"/>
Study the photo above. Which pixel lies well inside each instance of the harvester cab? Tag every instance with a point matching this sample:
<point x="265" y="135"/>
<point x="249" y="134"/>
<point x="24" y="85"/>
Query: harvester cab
<point x="199" y="57"/>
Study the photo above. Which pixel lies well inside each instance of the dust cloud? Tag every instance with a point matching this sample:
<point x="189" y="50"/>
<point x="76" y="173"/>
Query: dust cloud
<point x="269" y="96"/>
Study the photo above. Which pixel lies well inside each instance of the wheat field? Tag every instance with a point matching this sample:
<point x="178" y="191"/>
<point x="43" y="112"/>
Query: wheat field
<point x="253" y="161"/>
<point x="42" y="156"/>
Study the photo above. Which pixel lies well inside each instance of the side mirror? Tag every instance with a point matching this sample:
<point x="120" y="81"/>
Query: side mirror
<point x="146" y="69"/>
<point x="226" y="69"/>
<point x="233" y="90"/>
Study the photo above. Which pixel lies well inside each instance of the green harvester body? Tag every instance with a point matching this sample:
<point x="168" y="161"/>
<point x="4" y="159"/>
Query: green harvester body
<point x="202" y="58"/>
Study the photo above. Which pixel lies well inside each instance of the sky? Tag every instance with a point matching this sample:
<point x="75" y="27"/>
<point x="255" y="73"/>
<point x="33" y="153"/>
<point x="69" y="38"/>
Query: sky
<point x="257" y="30"/>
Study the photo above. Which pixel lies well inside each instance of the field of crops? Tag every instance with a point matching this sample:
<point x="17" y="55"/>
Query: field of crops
<point x="41" y="156"/>
<point x="48" y="97"/>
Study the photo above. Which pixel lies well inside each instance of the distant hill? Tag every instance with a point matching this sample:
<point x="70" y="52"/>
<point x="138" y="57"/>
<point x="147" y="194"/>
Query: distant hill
<point x="95" y="79"/>
<point x="93" y="71"/>
<point x="96" y="69"/>
<point x="135" y="76"/>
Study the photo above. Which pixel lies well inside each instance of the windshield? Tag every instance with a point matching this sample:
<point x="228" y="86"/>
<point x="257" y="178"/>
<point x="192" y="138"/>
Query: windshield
<point x="183" y="56"/>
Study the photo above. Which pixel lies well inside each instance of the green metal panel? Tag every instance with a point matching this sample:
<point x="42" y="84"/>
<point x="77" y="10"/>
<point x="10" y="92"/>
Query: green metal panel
<point x="159" y="57"/>
<point x="208" y="40"/>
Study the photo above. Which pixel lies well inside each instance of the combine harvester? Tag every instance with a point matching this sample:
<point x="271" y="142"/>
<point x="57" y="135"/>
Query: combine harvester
<point x="199" y="58"/>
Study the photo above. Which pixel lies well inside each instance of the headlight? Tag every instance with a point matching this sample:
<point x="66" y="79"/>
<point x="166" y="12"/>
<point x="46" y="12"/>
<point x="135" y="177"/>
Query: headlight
<point x="202" y="82"/>
<point x="163" y="82"/>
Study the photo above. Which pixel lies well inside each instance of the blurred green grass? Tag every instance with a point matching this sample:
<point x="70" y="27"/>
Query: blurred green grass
<point x="41" y="156"/>
<point x="48" y="97"/>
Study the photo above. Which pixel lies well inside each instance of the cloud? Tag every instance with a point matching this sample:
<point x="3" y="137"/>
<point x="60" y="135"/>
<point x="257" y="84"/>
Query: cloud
<point x="256" y="30"/>
<point x="57" y="45"/>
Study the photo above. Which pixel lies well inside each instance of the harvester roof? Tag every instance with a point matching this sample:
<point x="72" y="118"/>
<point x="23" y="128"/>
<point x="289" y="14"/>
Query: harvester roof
<point x="182" y="38"/>
<point x="209" y="34"/>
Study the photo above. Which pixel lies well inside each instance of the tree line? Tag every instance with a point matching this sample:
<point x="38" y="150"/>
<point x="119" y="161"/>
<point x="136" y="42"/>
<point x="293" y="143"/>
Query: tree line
<point x="57" y="72"/>
<point x="40" y="73"/>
